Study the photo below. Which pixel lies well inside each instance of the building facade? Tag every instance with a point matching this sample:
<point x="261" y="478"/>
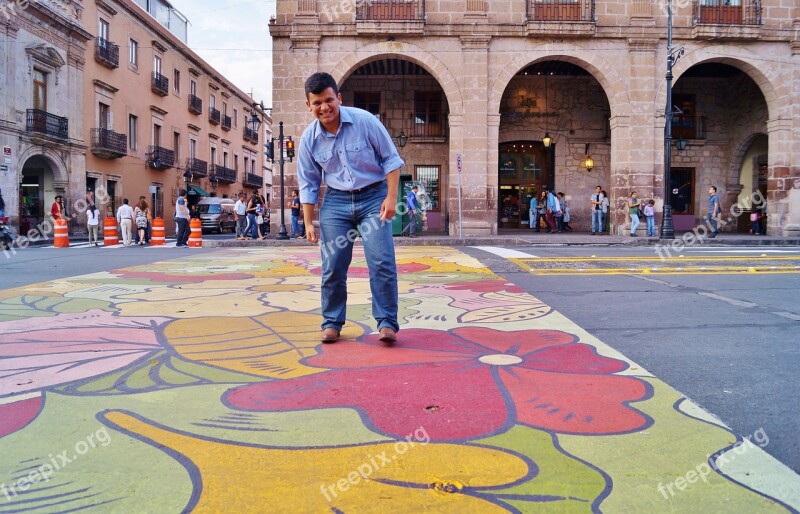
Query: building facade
<point x="473" y="87"/>
<point x="42" y="58"/>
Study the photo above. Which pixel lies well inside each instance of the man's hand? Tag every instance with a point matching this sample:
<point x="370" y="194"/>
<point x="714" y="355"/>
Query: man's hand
<point x="311" y="234"/>
<point x="388" y="208"/>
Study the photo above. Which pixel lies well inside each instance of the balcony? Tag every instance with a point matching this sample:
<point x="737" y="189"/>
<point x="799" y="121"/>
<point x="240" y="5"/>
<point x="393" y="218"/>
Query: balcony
<point x="564" y="17"/>
<point x="226" y="122"/>
<point x="108" y="144"/>
<point x="160" y="158"/>
<point x="106" y="53"/>
<point x="41" y="122"/>
<point x="223" y="174"/>
<point x="391" y="10"/>
<point x="197" y="167"/>
<point x="251" y="135"/>
<point x="214" y="116"/>
<point x="253" y="180"/>
<point x="727" y="12"/>
<point x="688" y="127"/>
<point x="195" y="104"/>
<point x="159" y="84"/>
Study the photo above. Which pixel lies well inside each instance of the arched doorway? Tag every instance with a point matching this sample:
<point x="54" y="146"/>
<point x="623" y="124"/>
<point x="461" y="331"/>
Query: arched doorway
<point x="524" y="172"/>
<point x="36" y="193"/>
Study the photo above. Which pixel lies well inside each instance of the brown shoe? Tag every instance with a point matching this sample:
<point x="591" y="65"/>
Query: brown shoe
<point x="329" y="335"/>
<point x="388" y="336"/>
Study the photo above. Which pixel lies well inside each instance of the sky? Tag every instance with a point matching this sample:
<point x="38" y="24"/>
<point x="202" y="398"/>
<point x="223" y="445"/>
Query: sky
<point x="233" y="37"/>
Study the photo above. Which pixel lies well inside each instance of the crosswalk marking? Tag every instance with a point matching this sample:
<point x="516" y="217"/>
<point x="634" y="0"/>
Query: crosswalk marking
<point x="505" y="252"/>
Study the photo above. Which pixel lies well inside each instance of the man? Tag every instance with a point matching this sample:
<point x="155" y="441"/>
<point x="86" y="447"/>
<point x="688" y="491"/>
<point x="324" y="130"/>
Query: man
<point x="553" y="209"/>
<point x="125" y="220"/>
<point x="411" y="203"/>
<point x="355" y="154"/>
<point x="294" y="205"/>
<point x="597" y="210"/>
<point x="182" y="220"/>
<point x="714" y="210"/>
<point x="240" y="215"/>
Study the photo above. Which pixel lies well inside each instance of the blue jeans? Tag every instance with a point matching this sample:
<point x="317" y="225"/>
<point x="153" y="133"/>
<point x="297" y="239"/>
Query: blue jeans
<point x="253" y="227"/>
<point x="597" y="220"/>
<point x="712" y="222"/>
<point x="182" y="235"/>
<point x="634" y="223"/>
<point x="341" y="217"/>
<point x="651" y="225"/>
<point x="296" y="226"/>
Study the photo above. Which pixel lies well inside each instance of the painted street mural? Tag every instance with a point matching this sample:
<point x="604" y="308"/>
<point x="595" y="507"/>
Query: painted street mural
<point x="200" y="385"/>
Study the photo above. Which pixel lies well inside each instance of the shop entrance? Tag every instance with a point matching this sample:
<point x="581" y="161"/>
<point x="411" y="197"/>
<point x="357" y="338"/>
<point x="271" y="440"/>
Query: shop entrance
<point x="522" y="175"/>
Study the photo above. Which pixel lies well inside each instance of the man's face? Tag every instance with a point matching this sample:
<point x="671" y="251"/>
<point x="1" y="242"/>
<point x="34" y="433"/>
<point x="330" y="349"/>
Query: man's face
<point x="325" y="106"/>
<point x="597" y="189"/>
<point x="711" y="190"/>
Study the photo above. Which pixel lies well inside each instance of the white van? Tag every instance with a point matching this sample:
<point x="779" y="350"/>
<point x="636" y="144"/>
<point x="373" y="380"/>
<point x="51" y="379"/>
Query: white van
<point x="216" y="214"/>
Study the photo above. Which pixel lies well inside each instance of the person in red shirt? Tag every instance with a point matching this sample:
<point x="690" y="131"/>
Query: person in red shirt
<point x="57" y="210"/>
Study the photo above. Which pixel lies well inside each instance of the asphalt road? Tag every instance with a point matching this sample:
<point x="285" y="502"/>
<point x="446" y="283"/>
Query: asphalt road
<point x="727" y="341"/>
<point x="723" y="340"/>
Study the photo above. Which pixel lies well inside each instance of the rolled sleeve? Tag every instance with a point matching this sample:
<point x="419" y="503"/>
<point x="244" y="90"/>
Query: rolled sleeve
<point x="309" y="173"/>
<point x="384" y="146"/>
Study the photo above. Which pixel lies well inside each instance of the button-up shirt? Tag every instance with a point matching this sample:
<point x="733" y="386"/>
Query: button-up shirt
<point x="358" y="155"/>
<point x="125" y="211"/>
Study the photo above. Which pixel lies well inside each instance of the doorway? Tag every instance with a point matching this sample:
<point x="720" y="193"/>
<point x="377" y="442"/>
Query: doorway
<point x="523" y="172"/>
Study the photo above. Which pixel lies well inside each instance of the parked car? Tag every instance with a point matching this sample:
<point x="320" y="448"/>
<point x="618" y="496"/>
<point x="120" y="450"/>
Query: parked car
<point x="216" y="214"/>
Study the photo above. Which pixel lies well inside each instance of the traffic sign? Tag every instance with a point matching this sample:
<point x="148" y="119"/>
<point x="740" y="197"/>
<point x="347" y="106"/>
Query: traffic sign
<point x="459" y="162"/>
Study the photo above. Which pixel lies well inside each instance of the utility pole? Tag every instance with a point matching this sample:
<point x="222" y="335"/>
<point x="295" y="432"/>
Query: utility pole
<point x="667" y="227"/>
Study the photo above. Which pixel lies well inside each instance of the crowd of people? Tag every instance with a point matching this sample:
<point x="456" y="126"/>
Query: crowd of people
<point x="252" y="216"/>
<point x="552" y="211"/>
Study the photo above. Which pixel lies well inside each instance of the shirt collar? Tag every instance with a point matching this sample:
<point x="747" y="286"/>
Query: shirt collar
<point x="344" y="117"/>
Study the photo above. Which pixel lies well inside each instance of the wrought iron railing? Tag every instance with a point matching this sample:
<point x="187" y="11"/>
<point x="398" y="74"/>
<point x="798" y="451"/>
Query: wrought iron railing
<point x="160" y="158"/>
<point x="195" y="104"/>
<point x="251" y="135"/>
<point x="226" y="122"/>
<point x="561" y="10"/>
<point x="197" y="167"/>
<point x="107" y="143"/>
<point x="688" y="127"/>
<point x="214" y="115"/>
<point x="390" y="10"/>
<point x="159" y="84"/>
<point x="43" y="122"/>
<point x="727" y="12"/>
<point x="106" y="53"/>
<point x="224" y="174"/>
<point x="253" y="180"/>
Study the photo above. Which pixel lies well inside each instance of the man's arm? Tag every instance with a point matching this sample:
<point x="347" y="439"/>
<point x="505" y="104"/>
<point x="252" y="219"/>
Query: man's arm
<point x="389" y="206"/>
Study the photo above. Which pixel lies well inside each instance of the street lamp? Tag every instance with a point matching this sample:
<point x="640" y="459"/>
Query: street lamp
<point x="402" y="139"/>
<point x="213" y="181"/>
<point x="282" y="233"/>
<point x="667" y="227"/>
<point x="187" y="177"/>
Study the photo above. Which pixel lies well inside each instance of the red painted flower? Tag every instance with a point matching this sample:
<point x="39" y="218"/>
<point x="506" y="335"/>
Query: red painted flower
<point x="464" y="384"/>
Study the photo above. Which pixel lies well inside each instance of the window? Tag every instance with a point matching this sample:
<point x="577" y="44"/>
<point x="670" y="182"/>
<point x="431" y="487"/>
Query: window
<point x="369" y="101"/>
<point x="428" y="180"/>
<point x="682" y="180"/>
<point x="132" y="131"/>
<point x="176" y="82"/>
<point x="225" y="108"/>
<point x="225" y="158"/>
<point x="176" y="145"/>
<point x="235" y="118"/>
<point x="193" y="87"/>
<point x="236" y="162"/>
<point x="193" y="148"/>
<point x="133" y="53"/>
<point x="246" y="163"/>
<point x="213" y="155"/>
<point x="39" y="90"/>
<point x="156" y="135"/>
<point x="157" y="64"/>
<point x="104" y="115"/>
<point x="428" y="113"/>
<point x="212" y="102"/>
<point x="102" y="33"/>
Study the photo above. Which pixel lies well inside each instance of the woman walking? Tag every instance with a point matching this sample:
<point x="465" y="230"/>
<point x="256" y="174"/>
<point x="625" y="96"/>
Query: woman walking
<point x="92" y="223"/>
<point x="141" y="214"/>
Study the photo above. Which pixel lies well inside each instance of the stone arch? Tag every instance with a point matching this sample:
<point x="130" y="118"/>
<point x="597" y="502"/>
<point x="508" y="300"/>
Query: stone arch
<point x="613" y="85"/>
<point x="408" y="52"/>
<point x="57" y="164"/>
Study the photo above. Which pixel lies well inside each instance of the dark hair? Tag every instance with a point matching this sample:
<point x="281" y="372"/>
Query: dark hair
<point x="91" y="208"/>
<point x="295" y="191"/>
<point x="714" y="188"/>
<point x="319" y="82"/>
<point x="183" y="192"/>
<point x="125" y="201"/>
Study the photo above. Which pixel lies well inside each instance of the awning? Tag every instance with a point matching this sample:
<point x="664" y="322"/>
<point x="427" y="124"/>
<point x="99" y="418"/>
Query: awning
<point x="196" y="190"/>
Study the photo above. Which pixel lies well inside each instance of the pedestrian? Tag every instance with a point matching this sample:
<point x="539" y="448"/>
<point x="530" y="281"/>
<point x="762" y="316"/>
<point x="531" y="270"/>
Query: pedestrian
<point x="714" y="210"/>
<point x="89" y="197"/>
<point x="252" y="227"/>
<point x="140" y="214"/>
<point x="553" y="208"/>
<point x="562" y="208"/>
<point x="294" y="205"/>
<point x="57" y="209"/>
<point x="361" y="195"/>
<point x="2" y="204"/>
<point x="125" y="220"/>
<point x="633" y="212"/>
<point x="598" y="199"/>
<point x="411" y="205"/>
<point x="92" y="223"/>
<point x="533" y="214"/>
<point x="149" y="218"/>
<point x="755" y="222"/>
<point x="182" y="220"/>
<point x="606" y="217"/>
<point x="264" y="226"/>
<point x="259" y="216"/>
<point x="650" y="217"/>
<point x="240" y="215"/>
<point x="567" y="214"/>
<point x="541" y="211"/>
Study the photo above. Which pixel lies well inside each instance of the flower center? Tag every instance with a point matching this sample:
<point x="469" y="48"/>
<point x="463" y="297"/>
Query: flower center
<point x="500" y="359"/>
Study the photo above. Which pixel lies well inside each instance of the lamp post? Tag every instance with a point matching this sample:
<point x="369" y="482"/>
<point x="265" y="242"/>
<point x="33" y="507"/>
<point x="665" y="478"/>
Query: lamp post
<point x="667" y="227"/>
<point x="282" y="233"/>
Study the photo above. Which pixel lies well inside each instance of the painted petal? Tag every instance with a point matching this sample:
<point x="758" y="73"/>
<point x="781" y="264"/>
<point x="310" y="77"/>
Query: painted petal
<point x="518" y="342"/>
<point x="444" y="398"/>
<point x="18" y="414"/>
<point x="576" y="404"/>
<point x="573" y="358"/>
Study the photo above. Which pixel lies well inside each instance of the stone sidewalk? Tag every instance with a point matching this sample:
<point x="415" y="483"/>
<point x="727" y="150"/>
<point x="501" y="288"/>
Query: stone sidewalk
<point x="199" y="385"/>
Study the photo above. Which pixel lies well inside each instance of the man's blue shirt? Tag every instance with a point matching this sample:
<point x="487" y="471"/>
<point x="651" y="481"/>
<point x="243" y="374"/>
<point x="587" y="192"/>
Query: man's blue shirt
<point x="411" y="201"/>
<point x="713" y="199"/>
<point x="360" y="154"/>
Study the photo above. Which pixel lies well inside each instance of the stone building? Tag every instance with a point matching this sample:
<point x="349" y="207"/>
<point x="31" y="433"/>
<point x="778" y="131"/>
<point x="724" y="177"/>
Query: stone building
<point x="42" y="59"/>
<point x="487" y="81"/>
